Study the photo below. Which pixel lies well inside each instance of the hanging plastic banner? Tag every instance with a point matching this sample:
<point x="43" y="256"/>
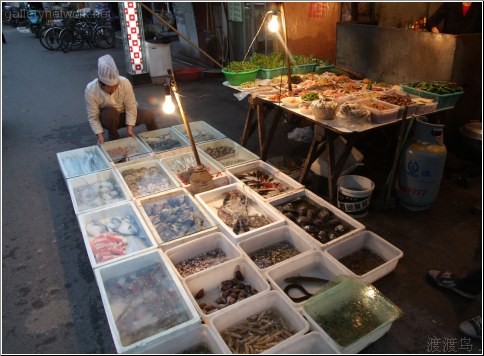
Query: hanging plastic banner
<point x="133" y="37"/>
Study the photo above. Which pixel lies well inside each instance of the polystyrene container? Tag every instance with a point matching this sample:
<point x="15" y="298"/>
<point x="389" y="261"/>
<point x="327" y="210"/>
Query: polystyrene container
<point x="114" y="233"/>
<point x="371" y="241"/>
<point x="124" y="149"/>
<point x="174" y="217"/>
<point x="201" y="340"/>
<point x="144" y="301"/>
<point x="236" y="154"/>
<point x="213" y="200"/>
<point x="353" y="225"/>
<point x="201" y="132"/>
<point x="310" y="343"/>
<point x="211" y="280"/>
<point x="174" y="152"/>
<point x="389" y="113"/>
<point x="96" y="190"/>
<point x="283" y="183"/>
<point x="161" y="140"/>
<point x="146" y="176"/>
<point x="311" y="264"/>
<point x="82" y="161"/>
<point x="200" y="246"/>
<point x="271" y="300"/>
<point x="343" y="301"/>
<point x="269" y="238"/>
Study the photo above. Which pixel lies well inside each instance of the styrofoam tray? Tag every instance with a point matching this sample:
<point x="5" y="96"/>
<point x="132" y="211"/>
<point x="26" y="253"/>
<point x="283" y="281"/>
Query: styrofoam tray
<point x="174" y="152"/>
<point x="124" y="149"/>
<point x="202" y="335"/>
<point x="240" y="156"/>
<point x="356" y="225"/>
<point x="106" y="220"/>
<point x="82" y="161"/>
<point x="201" y="132"/>
<point x="213" y="199"/>
<point x="279" y="177"/>
<point x="210" y="281"/>
<point x="272" y="237"/>
<point x="96" y="190"/>
<point x="271" y="300"/>
<point x="151" y="139"/>
<point x="373" y="242"/>
<point x="311" y="264"/>
<point x="167" y="241"/>
<point x="207" y="243"/>
<point x="310" y="343"/>
<point x="166" y="290"/>
<point x="141" y="184"/>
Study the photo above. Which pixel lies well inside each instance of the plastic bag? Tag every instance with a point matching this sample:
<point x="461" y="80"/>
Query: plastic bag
<point x="301" y="134"/>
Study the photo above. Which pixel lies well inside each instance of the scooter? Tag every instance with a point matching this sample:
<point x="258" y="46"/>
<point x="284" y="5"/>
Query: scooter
<point x="34" y="21"/>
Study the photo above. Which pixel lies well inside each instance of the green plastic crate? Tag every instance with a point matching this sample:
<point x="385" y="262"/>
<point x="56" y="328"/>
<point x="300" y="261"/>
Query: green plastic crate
<point x="321" y="69"/>
<point x="444" y="101"/>
<point x="303" y="68"/>
<point x="270" y="73"/>
<point x="237" y="78"/>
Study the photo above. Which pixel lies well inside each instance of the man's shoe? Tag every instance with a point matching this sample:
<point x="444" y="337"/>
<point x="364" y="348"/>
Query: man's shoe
<point x="472" y="327"/>
<point x="445" y="279"/>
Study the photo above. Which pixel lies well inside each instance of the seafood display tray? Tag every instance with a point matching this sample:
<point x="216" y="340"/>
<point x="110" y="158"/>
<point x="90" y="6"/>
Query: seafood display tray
<point x="369" y="240"/>
<point x="314" y="264"/>
<point x="277" y="175"/>
<point x="343" y="292"/>
<point x="345" y="218"/>
<point x="241" y="154"/>
<point x="176" y="303"/>
<point x="201" y="132"/>
<point x="124" y="149"/>
<point x="165" y="198"/>
<point x="268" y="238"/>
<point x="202" y="336"/>
<point x="213" y="199"/>
<point x="175" y="152"/>
<point x="146" y="183"/>
<point x="211" y="279"/>
<point x="161" y="140"/>
<point x="82" y="161"/>
<point x="310" y="343"/>
<point x="272" y="300"/>
<point x="96" y="190"/>
<point x="204" y="244"/>
<point x="130" y="236"/>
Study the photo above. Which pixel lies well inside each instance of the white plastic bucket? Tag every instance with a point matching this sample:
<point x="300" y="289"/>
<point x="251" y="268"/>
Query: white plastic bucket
<point x="354" y="194"/>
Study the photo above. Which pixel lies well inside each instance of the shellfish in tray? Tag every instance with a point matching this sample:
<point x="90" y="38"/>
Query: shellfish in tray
<point x="235" y="213"/>
<point x="162" y="143"/>
<point x="146" y="180"/>
<point x="262" y="183"/>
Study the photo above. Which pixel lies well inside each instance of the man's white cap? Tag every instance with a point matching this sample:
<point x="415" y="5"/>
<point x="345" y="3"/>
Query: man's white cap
<point x="107" y="70"/>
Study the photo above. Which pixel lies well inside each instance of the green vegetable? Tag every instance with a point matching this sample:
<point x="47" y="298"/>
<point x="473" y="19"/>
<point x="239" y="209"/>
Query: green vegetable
<point x="323" y="62"/>
<point x="437" y="87"/>
<point x="300" y="59"/>
<point x="274" y="60"/>
<point x="310" y="96"/>
<point x="236" y="66"/>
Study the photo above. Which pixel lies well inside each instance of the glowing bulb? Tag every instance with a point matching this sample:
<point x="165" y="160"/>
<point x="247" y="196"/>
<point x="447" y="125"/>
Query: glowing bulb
<point x="274" y="24"/>
<point x="168" y="106"/>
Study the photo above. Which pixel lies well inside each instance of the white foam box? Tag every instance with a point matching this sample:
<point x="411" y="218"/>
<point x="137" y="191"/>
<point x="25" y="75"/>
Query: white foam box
<point x="213" y="199"/>
<point x="174" y="152"/>
<point x="124" y="149"/>
<point x="279" y="177"/>
<point x="345" y="291"/>
<point x="371" y="241"/>
<point x="96" y="190"/>
<point x="173" y="299"/>
<point x="241" y="154"/>
<point x="348" y="220"/>
<point x="204" y="244"/>
<point x="82" y="161"/>
<point x="151" y="138"/>
<point x="311" y="264"/>
<point x="136" y="243"/>
<point x="179" y="193"/>
<point x="310" y="343"/>
<point x="271" y="300"/>
<point x="211" y="279"/>
<point x="148" y="163"/>
<point x="379" y="116"/>
<point x="202" y="335"/>
<point x="201" y="132"/>
<point x="277" y="235"/>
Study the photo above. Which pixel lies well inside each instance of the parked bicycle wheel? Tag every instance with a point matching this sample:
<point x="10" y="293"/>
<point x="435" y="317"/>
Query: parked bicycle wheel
<point x="49" y="38"/>
<point x="71" y="40"/>
<point x="103" y="37"/>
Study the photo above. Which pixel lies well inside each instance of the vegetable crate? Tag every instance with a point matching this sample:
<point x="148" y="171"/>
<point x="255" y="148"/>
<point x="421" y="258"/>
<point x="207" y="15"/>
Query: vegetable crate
<point x="444" y="101"/>
<point x="303" y="68"/>
<point x="322" y="69"/>
<point x="270" y="73"/>
<point x="237" y="78"/>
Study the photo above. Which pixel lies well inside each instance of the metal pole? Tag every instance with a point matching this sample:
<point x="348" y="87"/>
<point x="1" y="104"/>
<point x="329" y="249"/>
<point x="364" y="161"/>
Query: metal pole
<point x="288" y="63"/>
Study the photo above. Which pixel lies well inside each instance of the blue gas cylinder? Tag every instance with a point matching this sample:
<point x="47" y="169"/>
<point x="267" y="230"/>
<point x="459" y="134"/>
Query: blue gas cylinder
<point x="421" y="166"/>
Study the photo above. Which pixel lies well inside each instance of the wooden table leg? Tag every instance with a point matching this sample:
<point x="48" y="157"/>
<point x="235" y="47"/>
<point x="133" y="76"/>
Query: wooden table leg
<point x="261" y="116"/>
<point x="249" y="126"/>
<point x="272" y="129"/>
<point x="330" y="137"/>
<point x="314" y="152"/>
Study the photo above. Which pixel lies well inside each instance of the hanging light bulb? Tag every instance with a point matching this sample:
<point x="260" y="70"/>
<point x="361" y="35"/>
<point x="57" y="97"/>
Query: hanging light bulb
<point x="168" y="106"/>
<point x="273" y="24"/>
